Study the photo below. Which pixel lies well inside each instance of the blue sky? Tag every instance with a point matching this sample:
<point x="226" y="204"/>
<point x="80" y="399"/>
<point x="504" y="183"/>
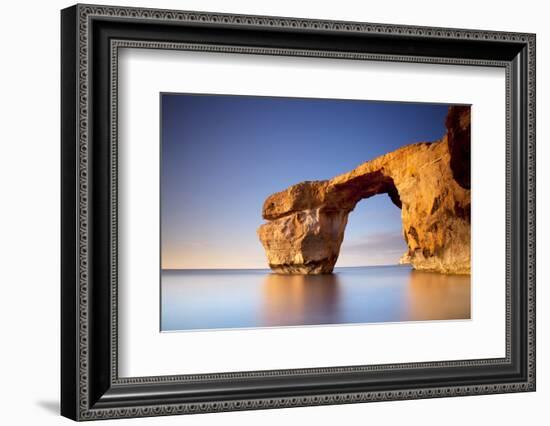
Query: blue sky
<point x="222" y="155"/>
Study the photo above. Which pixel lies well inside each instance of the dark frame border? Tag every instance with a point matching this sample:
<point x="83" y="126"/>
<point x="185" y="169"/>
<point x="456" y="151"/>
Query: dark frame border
<point x="90" y="385"/>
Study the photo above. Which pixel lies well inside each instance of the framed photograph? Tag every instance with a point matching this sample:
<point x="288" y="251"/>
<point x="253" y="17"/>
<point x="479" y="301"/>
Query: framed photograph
<point x="263" y="212"/>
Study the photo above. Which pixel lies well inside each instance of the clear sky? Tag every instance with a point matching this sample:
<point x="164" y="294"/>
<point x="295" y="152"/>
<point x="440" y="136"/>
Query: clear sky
<point x="221" y="156"/>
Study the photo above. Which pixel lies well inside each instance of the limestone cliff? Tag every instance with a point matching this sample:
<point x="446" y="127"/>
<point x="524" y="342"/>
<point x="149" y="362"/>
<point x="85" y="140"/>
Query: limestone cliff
<point x="430" y="182"/>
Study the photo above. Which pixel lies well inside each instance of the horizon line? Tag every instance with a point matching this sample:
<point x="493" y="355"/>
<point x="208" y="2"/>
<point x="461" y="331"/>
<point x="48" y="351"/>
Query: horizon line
<point x="267" y="268"/>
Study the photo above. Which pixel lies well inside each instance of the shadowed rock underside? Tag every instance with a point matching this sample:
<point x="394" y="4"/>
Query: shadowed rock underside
<point x="430" y="182"/>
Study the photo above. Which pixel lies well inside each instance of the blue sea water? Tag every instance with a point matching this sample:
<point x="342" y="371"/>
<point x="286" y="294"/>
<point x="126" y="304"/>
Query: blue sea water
<point x="221" y="299"/>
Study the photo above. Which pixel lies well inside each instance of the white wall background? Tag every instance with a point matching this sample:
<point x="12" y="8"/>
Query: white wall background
<point x="29" y="212"/>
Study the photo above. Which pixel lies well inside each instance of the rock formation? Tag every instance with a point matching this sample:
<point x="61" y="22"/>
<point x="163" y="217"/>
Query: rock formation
<point x="430" y="182"/>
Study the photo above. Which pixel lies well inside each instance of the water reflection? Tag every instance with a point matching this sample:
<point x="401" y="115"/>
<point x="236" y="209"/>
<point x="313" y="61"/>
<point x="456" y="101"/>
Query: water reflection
<point x="300" y="299"/>
<point x="214" y="299"/>
<point x="436" y="296"/>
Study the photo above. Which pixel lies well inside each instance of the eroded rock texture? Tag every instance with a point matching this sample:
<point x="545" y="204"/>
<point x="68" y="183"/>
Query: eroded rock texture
<point x="430" y="182"/>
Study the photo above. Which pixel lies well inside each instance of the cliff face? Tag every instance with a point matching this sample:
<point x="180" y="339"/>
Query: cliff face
<point x="430" y="182"/>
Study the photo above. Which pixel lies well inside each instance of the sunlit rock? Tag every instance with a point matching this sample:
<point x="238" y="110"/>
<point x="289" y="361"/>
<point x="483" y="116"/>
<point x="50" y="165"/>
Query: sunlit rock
<point x="430" y="182"/>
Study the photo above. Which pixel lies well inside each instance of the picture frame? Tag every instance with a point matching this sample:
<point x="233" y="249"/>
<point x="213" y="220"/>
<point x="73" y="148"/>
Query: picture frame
<point x="90" y="384"/>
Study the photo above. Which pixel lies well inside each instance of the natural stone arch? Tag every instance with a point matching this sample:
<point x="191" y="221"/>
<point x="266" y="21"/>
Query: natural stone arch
<point x="306" y="222"/>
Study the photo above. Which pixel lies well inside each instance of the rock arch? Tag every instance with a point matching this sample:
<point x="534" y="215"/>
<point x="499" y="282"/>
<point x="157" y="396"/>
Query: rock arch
<point x="430" y="182"/>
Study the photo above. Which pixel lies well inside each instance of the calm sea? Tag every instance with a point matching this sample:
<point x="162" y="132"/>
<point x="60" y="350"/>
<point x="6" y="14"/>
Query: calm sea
<point x="210" y="299"/>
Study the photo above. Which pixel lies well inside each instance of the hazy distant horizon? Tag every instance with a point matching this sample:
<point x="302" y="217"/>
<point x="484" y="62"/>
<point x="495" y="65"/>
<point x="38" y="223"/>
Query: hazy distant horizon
<point x="222" y="156"/>
<point x="268" y="269"/>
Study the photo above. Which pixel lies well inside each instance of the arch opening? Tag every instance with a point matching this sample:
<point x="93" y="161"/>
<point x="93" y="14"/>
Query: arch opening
<point x="373" y="234"/>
